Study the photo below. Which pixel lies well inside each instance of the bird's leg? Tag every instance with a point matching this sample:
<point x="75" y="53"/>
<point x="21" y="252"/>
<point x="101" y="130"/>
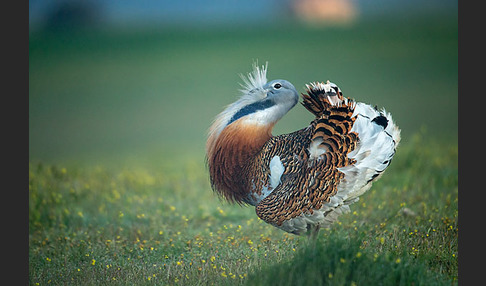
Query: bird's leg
<point x="313" y="232"/>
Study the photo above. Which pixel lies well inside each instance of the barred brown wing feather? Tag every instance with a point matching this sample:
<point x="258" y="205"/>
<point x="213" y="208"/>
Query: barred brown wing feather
<point x="305" y="188"/>
<point x="299" y="195"/>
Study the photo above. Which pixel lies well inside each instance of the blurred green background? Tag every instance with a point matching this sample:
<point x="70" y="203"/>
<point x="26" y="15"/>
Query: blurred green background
<point x="101" y="94"/>
<point x="122" y="93"/>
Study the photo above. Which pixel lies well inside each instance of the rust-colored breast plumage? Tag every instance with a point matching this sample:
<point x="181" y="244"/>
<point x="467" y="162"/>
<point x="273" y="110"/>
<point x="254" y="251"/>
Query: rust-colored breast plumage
<point x="229" y="156"/>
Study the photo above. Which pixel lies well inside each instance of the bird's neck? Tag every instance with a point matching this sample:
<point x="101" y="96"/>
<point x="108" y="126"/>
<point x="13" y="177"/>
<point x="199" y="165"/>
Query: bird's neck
<point x="230" y="155"/>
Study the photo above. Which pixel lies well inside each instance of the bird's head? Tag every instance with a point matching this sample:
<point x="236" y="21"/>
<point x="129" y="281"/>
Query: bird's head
<point x="262" y="103"/>
<point x="242" y="128"/>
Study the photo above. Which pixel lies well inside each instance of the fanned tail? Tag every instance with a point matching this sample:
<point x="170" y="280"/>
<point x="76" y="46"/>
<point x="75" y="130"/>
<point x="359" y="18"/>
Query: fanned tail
<point x="360" y="139"/>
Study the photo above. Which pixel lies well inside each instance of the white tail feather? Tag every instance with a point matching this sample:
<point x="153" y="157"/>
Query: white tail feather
<point x="373" y="154"/>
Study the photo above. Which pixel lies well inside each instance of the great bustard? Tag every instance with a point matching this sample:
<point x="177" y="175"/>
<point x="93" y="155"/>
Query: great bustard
<point x="304" y="180"/>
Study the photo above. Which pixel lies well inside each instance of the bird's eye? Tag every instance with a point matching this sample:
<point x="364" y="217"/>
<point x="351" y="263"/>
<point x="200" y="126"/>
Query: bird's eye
<point x="277" y="86"/>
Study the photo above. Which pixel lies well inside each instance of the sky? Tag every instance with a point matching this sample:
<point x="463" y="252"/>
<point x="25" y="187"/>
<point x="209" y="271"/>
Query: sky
<point x="146" y="12"/>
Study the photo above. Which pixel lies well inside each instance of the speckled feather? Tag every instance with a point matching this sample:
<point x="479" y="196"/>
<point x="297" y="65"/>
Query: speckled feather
<point x="308" y="183"/>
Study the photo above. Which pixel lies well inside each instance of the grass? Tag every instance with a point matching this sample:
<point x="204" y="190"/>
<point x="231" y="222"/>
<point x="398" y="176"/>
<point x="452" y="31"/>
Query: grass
<point x="164" y="225"/>
<point x="118" y="191"/>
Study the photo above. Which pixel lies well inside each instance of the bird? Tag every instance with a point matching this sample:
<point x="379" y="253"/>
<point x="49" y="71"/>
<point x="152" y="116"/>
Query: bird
<point x="302" y="181"/>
